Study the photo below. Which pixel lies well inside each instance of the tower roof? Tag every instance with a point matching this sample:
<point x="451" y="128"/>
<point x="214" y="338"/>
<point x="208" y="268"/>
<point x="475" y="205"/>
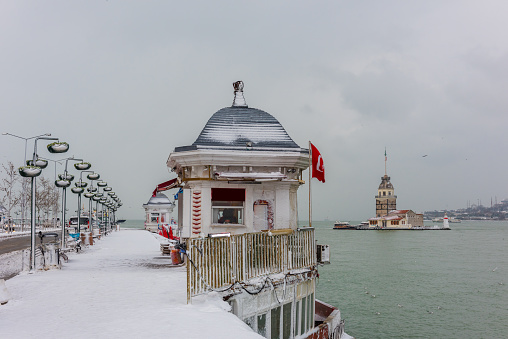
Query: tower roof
<point x="385" y="183"/>
<point x="242" y="127"/>
<point x="159" y="199"/>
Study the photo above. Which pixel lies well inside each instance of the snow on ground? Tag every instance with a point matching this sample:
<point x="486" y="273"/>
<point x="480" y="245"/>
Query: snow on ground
<point x="10" y="263"/>
<point x="5" y="235"/>
<point x="118" y="288"/>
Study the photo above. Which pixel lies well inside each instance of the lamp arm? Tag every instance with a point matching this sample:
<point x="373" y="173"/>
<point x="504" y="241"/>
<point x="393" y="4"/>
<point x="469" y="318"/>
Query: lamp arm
<point x="35" y="145"/>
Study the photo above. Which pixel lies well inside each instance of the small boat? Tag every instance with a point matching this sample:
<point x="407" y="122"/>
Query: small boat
<point x="343" y="225"/>
<point x="363" y="224"/>
<point x="119" y="221"/>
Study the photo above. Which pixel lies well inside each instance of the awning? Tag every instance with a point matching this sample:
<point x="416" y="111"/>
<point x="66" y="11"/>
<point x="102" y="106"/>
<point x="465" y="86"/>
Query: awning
<point x="165" y="186"/>
<point x="250" y="176"/>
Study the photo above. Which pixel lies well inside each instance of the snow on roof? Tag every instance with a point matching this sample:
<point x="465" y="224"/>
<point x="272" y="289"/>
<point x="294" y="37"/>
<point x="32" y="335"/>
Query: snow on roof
<point x="241" y="126"/>
<point x="398" y="212"/>
<point x="159" y="199"/>
<point x="239" y="175"/>
<point x="388" y="217"/>
<point x="118" y="288"/>
<point x="392" y="217"/>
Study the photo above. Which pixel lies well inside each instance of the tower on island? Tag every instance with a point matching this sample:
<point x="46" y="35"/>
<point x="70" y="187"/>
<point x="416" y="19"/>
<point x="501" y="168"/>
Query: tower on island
<point x="386" y="200"/>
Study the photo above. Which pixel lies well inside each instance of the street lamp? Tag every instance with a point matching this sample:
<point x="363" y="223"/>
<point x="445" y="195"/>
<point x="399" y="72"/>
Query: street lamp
<point x="78" y="191"/>
<point x="108" y="223"/>
<point x="80" y="187"/>
<point x="33" y="172"/>
<point x="103" y="201"/>
<point x="55" y="162"/>
<point x="82" y="184"/>
<point x="65" y="177"/>
<point x="101" y="184"/>
<point x="91" y="192"/>
<point x="24" y="182"/>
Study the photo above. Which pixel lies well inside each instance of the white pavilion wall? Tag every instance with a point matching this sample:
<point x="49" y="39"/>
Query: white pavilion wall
<point x="280" y="196"/>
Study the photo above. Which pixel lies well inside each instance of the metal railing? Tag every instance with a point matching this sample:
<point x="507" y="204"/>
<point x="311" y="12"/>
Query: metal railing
<point x="216" y="263"/>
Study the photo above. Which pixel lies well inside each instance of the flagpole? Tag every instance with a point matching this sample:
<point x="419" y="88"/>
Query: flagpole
<point x="310" y="185"/>
<point x="385" y="160"/>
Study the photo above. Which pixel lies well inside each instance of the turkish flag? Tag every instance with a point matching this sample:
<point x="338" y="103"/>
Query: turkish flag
<point x="318" y="167"/>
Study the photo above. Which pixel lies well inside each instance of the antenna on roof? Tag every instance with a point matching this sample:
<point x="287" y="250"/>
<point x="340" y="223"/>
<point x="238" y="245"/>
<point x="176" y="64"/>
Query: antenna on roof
<point x="239" y="100"/>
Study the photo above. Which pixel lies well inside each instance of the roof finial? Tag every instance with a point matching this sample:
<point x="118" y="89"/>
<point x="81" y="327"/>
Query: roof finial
<point x="239" y="100"/>
<point x="386" y="158"/>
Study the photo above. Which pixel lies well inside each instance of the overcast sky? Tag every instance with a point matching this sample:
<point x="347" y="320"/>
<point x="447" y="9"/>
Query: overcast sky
<point x="125" y="82"/>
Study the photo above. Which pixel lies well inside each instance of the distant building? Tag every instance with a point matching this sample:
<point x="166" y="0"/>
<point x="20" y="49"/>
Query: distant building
<point x="158" y="210"/>
<point x="397" y="219"/>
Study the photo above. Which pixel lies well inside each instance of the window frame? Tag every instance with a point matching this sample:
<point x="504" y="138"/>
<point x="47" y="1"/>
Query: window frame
<point x="237" y="202"/>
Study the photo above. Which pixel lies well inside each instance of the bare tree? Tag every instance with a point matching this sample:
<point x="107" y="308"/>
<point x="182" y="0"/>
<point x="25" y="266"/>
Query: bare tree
<point x="24" y="199"/>
<point x="43" y="199"/>
<point x="7" y="187"/>
<point x="55" y="206"/>
<point x="47" y="197"/>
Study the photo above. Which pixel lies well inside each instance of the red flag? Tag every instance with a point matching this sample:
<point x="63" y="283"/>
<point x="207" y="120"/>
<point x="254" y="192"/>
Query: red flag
<point x="318" y="167"/>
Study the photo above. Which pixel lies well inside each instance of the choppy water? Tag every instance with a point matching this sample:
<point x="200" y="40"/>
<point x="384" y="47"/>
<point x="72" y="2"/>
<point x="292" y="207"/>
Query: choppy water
<point x="449" y="284"/>
<point x="135" y="224"/>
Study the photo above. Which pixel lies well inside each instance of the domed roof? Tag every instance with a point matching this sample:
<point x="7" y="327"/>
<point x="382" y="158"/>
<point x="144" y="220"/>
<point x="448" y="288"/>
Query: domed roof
<point x="159" y="199"/>
<point x="385" y="183"/>
<point x="241" y="127"/>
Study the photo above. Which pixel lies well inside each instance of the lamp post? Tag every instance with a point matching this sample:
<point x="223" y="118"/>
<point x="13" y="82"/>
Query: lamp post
<point x="105" y="221"/>
<point x="33" y="172"/>
<point x="24" y="183"/>
<point x="109" y="190"/>
<point x="80" y="187"/>
<point x="100" y="184"/>
<point x="97" y="196"/>
<point x="81" y="184"/>
<point x="65" y="177"/>
<point x="55" y="162"/>
<point x="91" y="190"/>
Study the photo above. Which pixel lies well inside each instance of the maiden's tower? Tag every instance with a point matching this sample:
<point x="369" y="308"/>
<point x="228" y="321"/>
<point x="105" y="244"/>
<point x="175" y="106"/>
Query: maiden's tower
<point x="387" y="215"/>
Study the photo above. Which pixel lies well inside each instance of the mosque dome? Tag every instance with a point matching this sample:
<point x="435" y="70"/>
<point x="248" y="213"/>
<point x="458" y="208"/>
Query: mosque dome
<point x="241" y="127"/>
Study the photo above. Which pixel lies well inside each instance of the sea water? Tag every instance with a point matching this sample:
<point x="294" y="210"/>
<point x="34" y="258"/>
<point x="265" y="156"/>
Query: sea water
<point x="133" y="224"/>
<point x="418" y="284"/>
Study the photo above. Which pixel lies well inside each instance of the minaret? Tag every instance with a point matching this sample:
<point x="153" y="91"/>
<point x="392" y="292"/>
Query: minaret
<point x="386" y="200"/>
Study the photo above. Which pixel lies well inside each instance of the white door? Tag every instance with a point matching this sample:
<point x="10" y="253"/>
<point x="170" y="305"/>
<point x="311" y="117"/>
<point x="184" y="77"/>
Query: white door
<point x="260" y="217"/>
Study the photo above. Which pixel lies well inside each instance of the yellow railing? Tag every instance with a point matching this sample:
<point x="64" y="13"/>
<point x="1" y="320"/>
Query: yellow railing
<point x="216" y="263"/>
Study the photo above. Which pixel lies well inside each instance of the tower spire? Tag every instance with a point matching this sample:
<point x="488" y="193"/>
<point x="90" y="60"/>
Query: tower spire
<point x="385" y="161"/>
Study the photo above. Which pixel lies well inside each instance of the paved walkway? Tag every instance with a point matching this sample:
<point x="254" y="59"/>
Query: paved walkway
<point x="119" y="288"/>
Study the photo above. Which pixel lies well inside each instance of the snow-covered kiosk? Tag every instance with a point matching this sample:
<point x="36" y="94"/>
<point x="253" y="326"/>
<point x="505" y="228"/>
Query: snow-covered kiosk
<point x="158" y="211"/>
<point x="238" y="212"/>
<point x="243" y="164"/>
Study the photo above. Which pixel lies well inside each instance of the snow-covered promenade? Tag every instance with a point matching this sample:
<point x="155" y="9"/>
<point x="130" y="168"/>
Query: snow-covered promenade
<point x="119" y="288"/>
